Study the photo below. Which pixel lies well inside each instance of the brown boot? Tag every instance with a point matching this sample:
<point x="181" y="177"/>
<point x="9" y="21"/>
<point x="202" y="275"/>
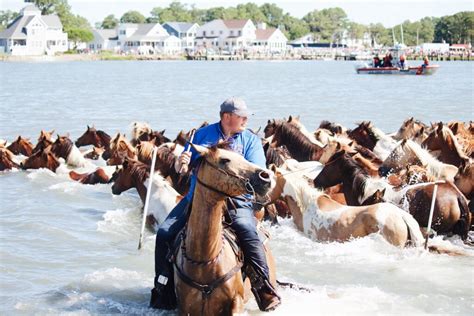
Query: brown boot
<point x="266" y="300"/>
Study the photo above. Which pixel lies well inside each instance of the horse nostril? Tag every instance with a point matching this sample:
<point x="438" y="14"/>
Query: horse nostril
<point x="383" y="171"/>
<point x="264" y="176"/>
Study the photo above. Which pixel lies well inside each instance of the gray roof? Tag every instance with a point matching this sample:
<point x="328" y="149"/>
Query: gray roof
<point x="16" y="28"/>
<point x="138" y="38"/>
<point x="180" y="27"/>
<point x="106" y="34"/>
<point x="144" y="28"/>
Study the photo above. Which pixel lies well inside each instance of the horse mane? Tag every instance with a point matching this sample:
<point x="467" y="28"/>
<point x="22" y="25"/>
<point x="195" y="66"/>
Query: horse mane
<point x="166" y="155"/>
<point x="275" y="155"/>
<point x="104" y="136"/>
<point x="139" y="170"/>
<point x="140" y="128"/>
<point x="298" y="188"/>
<point x="291" y="136"/>
<point x="66" y="147"/>
<point x="144" y="151"/>
<point x="433" y="165"/>
<point x="448" y="133"/>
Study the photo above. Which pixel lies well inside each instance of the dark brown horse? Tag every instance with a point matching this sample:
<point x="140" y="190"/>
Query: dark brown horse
<point x="290" y="136"/>
<point x="64" y="148"/>
<point x="44" y="140"/>
<point x="92" y="136"/>
<point x="41" y="159"/>
<point x="156" y="137"/>
<point x="442" y="139"/>
<point x="276" y="156"/>
<point x="21" y="146"/>
<point x="97" y="176"/>
<point x="6" y="160"/>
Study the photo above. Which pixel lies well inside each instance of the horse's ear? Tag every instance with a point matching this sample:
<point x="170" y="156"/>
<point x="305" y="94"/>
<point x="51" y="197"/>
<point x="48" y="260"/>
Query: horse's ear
<point x="269" y="122"/>
<point x="290" y="118"/>
<point x="88" y="128"/>
<point x="404" y="141"/>
<point x="383" y="192"/>
<point x="440" y="126"/>
<point x="351" y="144"/>
<point x="200" y="149"/>
<point x="455" y="127"/>
<point x="273" y="168"/>
<point x="338" y="146"/>
<point x="58" y="137"/>
<point x="19" y="137"/>
<point x="411" y="119"/>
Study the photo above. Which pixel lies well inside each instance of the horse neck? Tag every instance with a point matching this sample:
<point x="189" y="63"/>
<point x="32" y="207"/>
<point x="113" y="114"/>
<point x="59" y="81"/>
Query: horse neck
<point x="299" y="146"/>
<point x="204" y="231"/>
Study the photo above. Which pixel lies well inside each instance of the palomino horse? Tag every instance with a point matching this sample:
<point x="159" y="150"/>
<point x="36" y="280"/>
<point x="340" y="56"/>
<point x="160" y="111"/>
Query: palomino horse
<point x="100" y="175"/>
<point x="135" y="174"/>
<point x="412" y="129"/>
<point x="410" y="153"/>
<point x="92" y="136"/>
<point x="205" y="259"/>
<point x="450" y="214"/>
<point x="41" y="159"/>
<point x="6" y="160"/>
<point x="64" y="148"/>
<point x="44" y="140"/>
<point x="21" y="146"/>
<point x="299" y="146"/>
<point x="323" y="219"/>
<point x="443" y="140"/>
<point x="119" y="149"/>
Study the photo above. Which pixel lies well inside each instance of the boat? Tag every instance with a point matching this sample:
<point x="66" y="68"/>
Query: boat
<point x="396" y="69"/>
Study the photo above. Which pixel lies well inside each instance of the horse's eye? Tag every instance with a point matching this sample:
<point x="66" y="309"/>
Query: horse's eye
<point x="224" y="161"/>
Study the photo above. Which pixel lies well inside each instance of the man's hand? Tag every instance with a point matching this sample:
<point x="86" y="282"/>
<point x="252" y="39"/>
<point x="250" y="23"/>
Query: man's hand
<point x="182" y="164"/>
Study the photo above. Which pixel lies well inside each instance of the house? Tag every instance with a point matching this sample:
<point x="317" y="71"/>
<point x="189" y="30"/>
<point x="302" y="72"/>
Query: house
<point x="184" y="31"/>
<point x="147" y="38"/>
<point x="269" y="40"/>
<point x="104" y="40"/>
<point x="33" y="34"/>
<point x="230" y="35"/>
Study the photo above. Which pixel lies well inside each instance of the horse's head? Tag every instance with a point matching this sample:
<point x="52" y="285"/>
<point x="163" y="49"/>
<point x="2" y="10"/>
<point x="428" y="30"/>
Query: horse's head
<point x="119" y="149"/>
<point x="159" y="137"/>
<point x="6" y="159"/>
<point x="90" y="137"/>
<point x="44" y="140"/>
<point x="363" y="135"/>
<point x="21" y="146"/>
<point x="436" y="138"/>
<point x="228" y="173"/>
<point x="95" y="153"/>
<point x="411" y="129"/>
<point x="377" y="197"/>
<point x="269" y="130"/>
<point x="41" y="159"/>
<point x="401" y="156"/>
<point x="332" y="173"/>
<point x="129" y="176"/>
<point x="333" y="147"/>
<point x="333" y="127"/>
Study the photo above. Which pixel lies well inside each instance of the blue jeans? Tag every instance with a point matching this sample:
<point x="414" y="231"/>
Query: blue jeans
<point x="243" y="223"/>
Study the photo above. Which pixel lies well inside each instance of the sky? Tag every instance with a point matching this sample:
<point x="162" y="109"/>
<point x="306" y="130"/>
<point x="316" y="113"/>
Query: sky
<point x="387" y="12"/>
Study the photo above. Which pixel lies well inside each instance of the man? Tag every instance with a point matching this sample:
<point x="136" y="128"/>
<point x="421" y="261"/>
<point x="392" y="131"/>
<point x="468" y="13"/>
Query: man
<point x="230" y="128"/>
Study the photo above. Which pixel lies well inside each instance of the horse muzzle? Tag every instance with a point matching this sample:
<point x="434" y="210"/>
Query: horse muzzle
<point x="383" y="171"/>
<point x="259" y="183"/>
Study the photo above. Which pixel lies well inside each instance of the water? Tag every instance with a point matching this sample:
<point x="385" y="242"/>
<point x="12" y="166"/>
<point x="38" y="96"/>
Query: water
<point x="70" y="249"/>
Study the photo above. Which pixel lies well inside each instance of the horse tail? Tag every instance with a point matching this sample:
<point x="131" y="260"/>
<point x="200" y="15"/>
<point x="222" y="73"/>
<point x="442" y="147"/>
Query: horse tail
<point x="462" y="226"/>
<point x="414" y="233"/>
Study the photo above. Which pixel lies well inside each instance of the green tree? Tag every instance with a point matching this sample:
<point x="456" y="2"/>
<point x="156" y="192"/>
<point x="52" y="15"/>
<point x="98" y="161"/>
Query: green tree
<point x="293" y="27"/>
<point x="355" y="30"/>
<point x="379" y="35"/>
<point x="77" y="35"/>
<point x="6" y="17"/>
<point x="49" y="6"/>
<point x="132" y="17"/>
<point x="250" y="11"/>
<point x="273" y="14"/>
<point x="110" y="22"/>
<point x="327" y="24"/>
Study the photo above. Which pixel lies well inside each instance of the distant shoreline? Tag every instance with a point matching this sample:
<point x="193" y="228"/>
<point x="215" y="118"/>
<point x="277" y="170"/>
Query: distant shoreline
<point x="109" y="57"/>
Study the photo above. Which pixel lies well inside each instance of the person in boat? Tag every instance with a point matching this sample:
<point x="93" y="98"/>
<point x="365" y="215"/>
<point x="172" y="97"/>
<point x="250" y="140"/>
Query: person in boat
<point x="377" y="62"/>
<point x="387" y="61"/>
<point x="231" y="128"/>
<point x="402" y="61"/>
<point x="426" y="62"/>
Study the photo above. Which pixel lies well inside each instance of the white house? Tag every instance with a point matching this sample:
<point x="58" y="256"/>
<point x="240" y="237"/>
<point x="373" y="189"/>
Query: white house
<point x="184" y="31"/>
<point x="33" y="34"/>
<point x="147" y="38"/>
<point x="269" y="40"/>
<point x="104" y="40"/>
<point x="231" y="35"/>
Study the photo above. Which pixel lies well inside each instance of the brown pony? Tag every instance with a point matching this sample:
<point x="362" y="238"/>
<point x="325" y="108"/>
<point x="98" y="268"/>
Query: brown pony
<point x="21" y="146"/>
<point x="299" y="146"/>
<point x="98" y="176"/>
<point x="6" y="160"/>
<point x="64" y="148"/>
<point x="464" y="180"/>
<point x="323" y="219"/>
<point x="44" y="140"/>
<point x="156" y="137"/>
<point x="412" y="129"/>
<point x="95" y="153"/>
<point x="92" y="136"/>
<point x="41" y="159"/>
<point x="119" y="149"/>
<point x="276" y="156"/>
<point x="442" y="139"/>
<point x="464" y="136"/>
<point x="336" y="129"/>
<point x="205" y="257"/>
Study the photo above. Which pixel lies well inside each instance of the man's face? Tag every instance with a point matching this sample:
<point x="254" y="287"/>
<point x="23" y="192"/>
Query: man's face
<point x="235" y="123"/>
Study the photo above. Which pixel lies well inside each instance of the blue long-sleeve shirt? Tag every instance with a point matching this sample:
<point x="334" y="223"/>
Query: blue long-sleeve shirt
<point x="245" y="143"/>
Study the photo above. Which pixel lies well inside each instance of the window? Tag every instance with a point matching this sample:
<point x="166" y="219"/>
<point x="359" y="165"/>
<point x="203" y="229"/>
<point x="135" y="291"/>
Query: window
<point x="122" y="32"/>
<point x="212" y="32"/>
<point x="204" y="33"/>
<point x="231" y="32"/>
<point x="220" y="32"/>
<point x="240" y="33"/>
<point x="91" y="46"/>
<point x="99" y="46"/>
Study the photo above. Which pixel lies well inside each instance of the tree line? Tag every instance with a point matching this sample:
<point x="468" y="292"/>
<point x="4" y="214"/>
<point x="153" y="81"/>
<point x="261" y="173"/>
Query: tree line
<point x="326" y="25"/>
